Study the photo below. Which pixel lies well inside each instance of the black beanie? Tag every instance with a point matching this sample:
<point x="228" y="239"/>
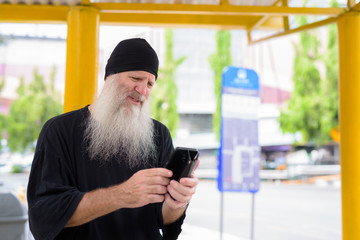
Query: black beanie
<point x="134" y="54"/>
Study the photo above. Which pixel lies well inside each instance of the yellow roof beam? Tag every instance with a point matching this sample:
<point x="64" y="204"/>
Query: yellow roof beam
<point x="218" y="16"/>
<point x="58" y="14"/>
<point x="33" y="13"/>
<point x="214" y="9"/>
<point x="295" y="30"/>
<point x="355" y="7"/>
<point x="351" y="3"/>
<point x="85" y="2"/>
<point x="286" y="18"/>
<point x="224" y="2"/>
<point x="183" y="20"/>
<point x="261" y="20"/>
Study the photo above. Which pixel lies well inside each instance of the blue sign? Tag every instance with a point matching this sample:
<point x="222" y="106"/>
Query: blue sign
<point x="239" y="154"/>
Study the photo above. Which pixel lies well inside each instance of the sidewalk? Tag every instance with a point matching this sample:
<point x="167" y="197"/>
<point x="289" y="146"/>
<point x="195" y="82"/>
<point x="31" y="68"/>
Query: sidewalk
<point x="190" y="232"/>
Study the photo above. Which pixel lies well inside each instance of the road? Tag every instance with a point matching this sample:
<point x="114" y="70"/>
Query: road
<point x="282" y="212"/>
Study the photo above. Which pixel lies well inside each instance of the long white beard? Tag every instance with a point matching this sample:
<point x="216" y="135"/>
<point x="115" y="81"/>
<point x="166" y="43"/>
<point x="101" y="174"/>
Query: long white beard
<point x="120" y="129"/>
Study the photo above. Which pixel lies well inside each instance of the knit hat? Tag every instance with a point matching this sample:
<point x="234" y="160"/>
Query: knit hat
<point x="134" y="54"/>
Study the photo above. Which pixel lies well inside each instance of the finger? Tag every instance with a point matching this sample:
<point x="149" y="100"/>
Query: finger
<point x="189" y="182"/>
<point x="158" y="172"/>
<point x="158" y="180"/>
<point x="187" y="186"/>
<point x="179" y="192"/>
<point x="156" y="189"/>
<point x="197" y="164"/>
<point x="173" y="203"/>
<point x="177" y="196"/>
<point x="155" y="198"/>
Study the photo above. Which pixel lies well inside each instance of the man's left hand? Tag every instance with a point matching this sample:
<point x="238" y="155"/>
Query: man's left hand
<point x="181" y="192"/>
<point x="178" y="196"/>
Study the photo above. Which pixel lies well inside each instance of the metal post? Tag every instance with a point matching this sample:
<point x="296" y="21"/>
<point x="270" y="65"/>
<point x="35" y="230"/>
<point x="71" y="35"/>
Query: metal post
<point x="349" y="116"/>
<point x="252" y="215"/>
<point x="221" y="214"/>
<point x="81" y="57"/>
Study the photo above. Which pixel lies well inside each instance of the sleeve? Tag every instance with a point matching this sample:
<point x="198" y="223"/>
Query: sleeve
<point x="166" y="144"/>
<point x="52" y="197"/>
<point x="170" y="231"/>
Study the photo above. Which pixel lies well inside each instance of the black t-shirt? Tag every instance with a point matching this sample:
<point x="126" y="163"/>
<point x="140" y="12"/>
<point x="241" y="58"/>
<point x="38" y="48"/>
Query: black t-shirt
<point x="62" y="173"/>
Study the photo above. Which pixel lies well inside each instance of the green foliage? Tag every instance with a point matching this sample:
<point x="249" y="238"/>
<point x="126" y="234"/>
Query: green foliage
<point x="330" y="93"/>
<point x="313" y="106"/>
<point x="36" y="103"/>
<point x="218" y="61"/>
<point x="17" y="168"/>
<point x="2" y="83"/>
<point x="2" y="117"/>
<point x="164" y="94"/>
<point x="2" y="41"/>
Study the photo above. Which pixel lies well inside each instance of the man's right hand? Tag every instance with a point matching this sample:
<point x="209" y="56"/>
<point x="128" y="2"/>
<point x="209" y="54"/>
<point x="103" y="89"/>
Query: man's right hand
<point x="144" y="187"/>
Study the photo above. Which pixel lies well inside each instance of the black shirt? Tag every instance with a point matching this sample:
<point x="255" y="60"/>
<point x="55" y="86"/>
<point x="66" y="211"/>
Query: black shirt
<point x="62" y="173"/>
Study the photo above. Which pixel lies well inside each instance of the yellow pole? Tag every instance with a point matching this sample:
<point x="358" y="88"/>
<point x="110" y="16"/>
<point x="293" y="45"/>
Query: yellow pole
<point x="349" y="85"/>
<point x="81" y="57"/>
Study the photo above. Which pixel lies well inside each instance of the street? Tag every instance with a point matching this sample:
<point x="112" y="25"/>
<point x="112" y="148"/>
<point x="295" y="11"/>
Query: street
<point x="282" y="212"/>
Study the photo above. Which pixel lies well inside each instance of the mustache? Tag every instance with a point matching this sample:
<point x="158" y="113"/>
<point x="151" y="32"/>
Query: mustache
<point x="137" y="95"/>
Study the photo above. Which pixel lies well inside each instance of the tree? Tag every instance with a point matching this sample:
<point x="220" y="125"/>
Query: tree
<point x="2" y="85"/>
<point x="163" y="100"/>
<point x="330" y="93"/>
<point x="2" y="117"/>
<point x="218" y="61"/>
<point x="2" y="40"/>
<point x="312" y="108"/>
<point x="36" y="103"/>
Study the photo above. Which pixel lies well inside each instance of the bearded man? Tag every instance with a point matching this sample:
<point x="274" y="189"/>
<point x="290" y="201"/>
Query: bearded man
<point x="97" y="172"/>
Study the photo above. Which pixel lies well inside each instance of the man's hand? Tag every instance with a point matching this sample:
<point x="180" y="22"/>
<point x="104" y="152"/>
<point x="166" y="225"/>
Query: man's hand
<point x="144" y="187"/>
<point x="180" y="193"/>
<point x="177" y="197"/>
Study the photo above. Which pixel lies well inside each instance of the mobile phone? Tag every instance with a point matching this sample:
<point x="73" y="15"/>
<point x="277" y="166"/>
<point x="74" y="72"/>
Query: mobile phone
<point x="182" y="162"/>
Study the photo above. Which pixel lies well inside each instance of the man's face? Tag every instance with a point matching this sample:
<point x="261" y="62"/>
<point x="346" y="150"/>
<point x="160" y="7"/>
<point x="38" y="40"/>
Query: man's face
<point x="137" y="86"/>
<point x="123" y="102"/>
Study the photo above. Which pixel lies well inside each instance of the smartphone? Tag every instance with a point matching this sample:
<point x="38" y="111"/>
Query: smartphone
<point x="182" y="162"/>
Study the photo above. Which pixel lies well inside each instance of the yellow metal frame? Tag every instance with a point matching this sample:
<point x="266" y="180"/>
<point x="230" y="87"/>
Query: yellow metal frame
<point x="82" y="50"/>
<point x="81" y="57"/>
<point x="349" y="85"/>
<point x="214" y="9"/>
<point x="295" y="30"/>
<point x="46" y="14"/>
<point x="33" y="13"/>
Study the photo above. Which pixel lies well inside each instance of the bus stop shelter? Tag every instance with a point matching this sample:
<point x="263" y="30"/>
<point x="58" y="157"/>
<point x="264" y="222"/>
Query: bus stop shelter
<point x="83" y="19"/>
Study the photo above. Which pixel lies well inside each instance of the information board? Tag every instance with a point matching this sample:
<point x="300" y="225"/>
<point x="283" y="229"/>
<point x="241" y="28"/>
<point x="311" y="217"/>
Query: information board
<point x="239" y="153"/>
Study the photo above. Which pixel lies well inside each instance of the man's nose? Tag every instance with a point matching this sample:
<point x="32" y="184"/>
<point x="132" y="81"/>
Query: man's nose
<point x="141" y="88"/>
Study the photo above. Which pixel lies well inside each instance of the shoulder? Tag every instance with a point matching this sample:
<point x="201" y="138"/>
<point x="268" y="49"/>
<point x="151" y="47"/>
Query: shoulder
<point x="161" y="130"/>
<point x="66" y="118"/>
<point x="163" y="142"/>
<point x="159" y="125"/>
<point x="64" y="123"/>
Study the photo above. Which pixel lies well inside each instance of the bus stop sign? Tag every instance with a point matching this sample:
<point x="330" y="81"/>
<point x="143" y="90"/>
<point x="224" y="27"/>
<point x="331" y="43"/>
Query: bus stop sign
<point x="239" y="153"/>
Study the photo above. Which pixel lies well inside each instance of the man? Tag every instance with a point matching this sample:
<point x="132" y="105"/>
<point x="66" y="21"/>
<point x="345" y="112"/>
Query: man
<point x="98" y="171"/>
